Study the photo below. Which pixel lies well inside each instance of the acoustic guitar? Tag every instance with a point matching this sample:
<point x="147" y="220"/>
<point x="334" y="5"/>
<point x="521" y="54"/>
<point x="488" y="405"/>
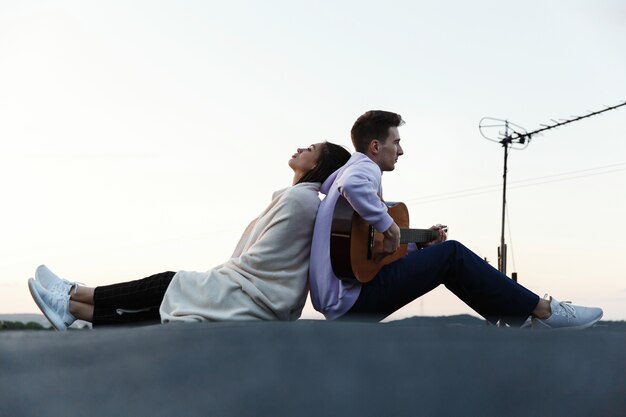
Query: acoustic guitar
<point x="353" y="242"/>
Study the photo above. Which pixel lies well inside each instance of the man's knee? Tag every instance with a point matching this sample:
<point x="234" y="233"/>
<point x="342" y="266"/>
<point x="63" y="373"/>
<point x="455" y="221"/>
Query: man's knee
<point x="453" y="245"/>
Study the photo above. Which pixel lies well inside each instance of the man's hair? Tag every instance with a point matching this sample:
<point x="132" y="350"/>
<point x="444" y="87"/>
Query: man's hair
<point x="332" y="157"/>
<point x="371" y="125"/>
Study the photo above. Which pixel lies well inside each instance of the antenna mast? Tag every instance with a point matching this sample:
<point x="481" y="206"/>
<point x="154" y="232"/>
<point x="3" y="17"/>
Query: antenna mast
<point x="516" y="137"/>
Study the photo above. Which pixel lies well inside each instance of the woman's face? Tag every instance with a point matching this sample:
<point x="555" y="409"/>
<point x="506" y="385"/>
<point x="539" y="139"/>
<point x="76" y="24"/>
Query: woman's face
<point x="305" y="159"/>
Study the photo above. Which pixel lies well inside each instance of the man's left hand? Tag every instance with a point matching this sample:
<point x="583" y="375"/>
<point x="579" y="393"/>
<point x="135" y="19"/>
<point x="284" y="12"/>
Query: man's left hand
<point x="443" y="235"/>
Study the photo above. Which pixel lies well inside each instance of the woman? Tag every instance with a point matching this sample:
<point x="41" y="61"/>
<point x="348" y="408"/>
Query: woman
<point x="265" y="278"/>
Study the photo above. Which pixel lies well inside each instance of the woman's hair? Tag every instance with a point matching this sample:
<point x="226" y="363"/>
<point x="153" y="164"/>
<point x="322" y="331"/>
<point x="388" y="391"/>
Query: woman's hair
<point x="332" y="157"/>
<point x="371" y="125"/>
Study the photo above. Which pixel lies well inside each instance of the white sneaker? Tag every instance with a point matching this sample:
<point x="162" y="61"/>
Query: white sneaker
<point x="567" y="316"/>
<point x="51" y="282"/>
<point x="55" y="306"/>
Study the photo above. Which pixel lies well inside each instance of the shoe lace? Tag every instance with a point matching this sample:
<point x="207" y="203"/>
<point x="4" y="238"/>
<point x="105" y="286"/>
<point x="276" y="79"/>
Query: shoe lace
<point x="567" y="307"/>
<point x="58" y="286"/>
<point x="63" y="284"/>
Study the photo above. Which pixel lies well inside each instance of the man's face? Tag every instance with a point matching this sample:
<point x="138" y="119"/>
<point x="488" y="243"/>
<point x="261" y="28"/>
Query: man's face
<point x="389" y="151"/>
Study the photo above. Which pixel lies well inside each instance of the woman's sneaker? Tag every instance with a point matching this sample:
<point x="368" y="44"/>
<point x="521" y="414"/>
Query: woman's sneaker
<point x="55" y="306"/>
<point x="51" y="282"/>
<point x="567" y="316"/>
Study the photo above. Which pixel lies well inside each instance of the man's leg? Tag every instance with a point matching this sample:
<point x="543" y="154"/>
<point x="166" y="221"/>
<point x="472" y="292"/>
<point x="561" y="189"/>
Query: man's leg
<point x="489" y="292"/>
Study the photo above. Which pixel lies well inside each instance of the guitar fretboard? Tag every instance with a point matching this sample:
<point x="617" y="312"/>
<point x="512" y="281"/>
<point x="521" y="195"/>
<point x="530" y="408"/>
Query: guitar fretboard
<point x="417" y="235"/>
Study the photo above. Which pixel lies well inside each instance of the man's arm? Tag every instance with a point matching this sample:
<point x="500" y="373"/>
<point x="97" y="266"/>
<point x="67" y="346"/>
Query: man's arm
<point x="391" y="242"/>
<point x="360" y="187"/>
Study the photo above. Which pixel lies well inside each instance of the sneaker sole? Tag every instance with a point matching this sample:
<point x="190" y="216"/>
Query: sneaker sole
<point x="582" y="326"/>
<point x="52" y="317"/>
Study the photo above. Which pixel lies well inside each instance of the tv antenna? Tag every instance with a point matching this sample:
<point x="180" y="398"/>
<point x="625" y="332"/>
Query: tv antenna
<point x="512" y="136"/>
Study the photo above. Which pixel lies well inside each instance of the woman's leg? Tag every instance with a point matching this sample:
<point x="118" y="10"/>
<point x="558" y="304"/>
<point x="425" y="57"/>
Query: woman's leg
<point x="489" y="292"/>
<point x="81" y="302"/>
<point x="81" y="311"/>
<point x="122" y="303"/>
<point x="82" y="294"/>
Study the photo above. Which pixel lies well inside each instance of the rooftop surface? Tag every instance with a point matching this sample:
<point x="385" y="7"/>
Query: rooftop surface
<point x="412" y="367"/>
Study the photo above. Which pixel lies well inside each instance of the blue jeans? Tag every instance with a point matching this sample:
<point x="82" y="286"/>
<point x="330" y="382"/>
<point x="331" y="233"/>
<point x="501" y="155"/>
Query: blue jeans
<point x="482" y="287"/>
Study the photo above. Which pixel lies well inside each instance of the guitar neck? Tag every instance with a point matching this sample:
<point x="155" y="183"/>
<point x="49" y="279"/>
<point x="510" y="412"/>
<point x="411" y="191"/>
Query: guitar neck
<point x="417" y="235"/>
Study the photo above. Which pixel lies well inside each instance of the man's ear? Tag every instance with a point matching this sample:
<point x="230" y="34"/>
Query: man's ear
<point x="374" y="147"/>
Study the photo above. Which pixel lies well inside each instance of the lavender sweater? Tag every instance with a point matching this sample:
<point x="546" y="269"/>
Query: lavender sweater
<point x="359" y="181"/>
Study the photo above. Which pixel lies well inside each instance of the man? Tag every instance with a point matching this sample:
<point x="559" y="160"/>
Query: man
<point x="490" y="293"/>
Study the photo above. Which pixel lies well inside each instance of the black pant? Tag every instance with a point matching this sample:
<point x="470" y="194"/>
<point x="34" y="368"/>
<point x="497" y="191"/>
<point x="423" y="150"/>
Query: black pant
<point x="482" y="287"/>
<point x="130" y="302"/>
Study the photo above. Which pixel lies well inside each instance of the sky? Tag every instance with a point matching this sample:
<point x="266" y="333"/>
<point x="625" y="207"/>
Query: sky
<point x="143" y="136"/>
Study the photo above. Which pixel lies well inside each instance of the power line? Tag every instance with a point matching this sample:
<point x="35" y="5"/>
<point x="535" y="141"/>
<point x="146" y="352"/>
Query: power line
<point x="468" y="192"/>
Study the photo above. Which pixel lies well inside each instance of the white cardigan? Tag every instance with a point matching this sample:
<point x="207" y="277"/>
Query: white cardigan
<point x="266" y="277"/>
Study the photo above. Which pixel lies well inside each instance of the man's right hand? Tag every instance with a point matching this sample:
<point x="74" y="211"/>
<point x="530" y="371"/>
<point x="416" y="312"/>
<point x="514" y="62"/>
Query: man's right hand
<point x="391" y="242"/>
